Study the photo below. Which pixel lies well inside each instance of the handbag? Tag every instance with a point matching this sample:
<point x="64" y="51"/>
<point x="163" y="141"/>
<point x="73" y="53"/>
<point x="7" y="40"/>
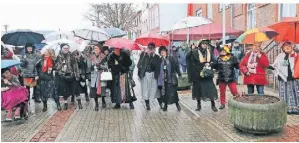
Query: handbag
<point x="106" y="76"/>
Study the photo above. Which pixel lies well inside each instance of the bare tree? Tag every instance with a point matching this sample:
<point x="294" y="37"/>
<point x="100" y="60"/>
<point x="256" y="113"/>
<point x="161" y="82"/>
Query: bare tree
<point x="116" y="15"/>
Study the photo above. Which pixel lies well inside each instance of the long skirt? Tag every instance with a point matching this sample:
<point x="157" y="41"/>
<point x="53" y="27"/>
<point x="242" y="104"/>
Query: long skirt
<point x="289" y="92"/>
<point x="13" y="97"/>
<point x="171" y="95"/>
<point x="149" y="86"/>
<point x="115" y="89"/>
<point x="126" y="88"/>
<point x="93" y="92"/>
<point x="47" y="89"/>
<point x="65" y="87"/>
<point x="204" y="89"/>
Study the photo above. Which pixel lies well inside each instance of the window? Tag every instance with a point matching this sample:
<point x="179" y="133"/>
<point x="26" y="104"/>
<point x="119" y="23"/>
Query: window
<point x="286" y="10"/>
<point x="199" y="12"/>
<point x="251" y="16"/>
<point x="210" y="11"/>
<point x="221" y="6"/>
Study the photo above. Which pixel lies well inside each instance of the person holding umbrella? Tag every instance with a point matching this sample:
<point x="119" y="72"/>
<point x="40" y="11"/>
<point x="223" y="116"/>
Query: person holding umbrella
<point x="148" y="73"/>
<point x="288" y="85"/>
<point x="201" y="75"/>
<point x="239" y="53"/>
<point x="29" y="72"/>
<point x="167" y="81"/>
<point x="119" y="62"/>
<point x="67" y="69"/>
<point x="98" y="64"/>
<point x="47" y="86"/>
<point x="254" y="66"/>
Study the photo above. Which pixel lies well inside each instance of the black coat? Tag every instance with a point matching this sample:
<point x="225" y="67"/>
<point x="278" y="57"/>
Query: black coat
<point x="124" y="63"/>
<point x="225" y="69"/>
<point x="144" y="61"/>
<point x="194" y="67"/>
<point x="175" y="69"/>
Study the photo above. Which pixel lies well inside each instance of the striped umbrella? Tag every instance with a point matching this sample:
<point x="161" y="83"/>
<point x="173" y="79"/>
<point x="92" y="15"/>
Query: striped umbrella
<point x="256" y="35"/>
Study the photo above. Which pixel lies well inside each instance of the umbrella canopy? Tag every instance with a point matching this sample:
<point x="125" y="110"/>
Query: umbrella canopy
<point x="37" y="47"/>
<point x="256" y="35"/>
<point x="91" y="33"/>
<point x="21" y="37"/>
<point x="56" y="46"/>
<point x="288" y="30"/>
<point x="57" y="35"/>
<point x="211" y="31"/>
<point x="122" y="43"/>
<point x="9" y="63"/>
<point x="114" y="32"/>
<point x="190" y="21"/>
<point x="159" y="40"/>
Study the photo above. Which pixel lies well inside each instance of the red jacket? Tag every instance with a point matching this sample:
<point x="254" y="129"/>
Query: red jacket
<point x="260" y="77"/>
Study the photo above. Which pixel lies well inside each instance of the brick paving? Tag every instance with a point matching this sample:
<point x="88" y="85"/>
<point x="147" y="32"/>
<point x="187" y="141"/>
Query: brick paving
<point x="220" y="120"/>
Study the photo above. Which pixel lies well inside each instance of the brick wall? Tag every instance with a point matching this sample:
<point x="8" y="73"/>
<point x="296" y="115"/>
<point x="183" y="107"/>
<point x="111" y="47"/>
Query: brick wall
<point x="217" y="15"/>
<point x="198" y="6"/>
<point x="239" y="19"/>
<point x="297" y="8"/>
<point x="265" y="15"/>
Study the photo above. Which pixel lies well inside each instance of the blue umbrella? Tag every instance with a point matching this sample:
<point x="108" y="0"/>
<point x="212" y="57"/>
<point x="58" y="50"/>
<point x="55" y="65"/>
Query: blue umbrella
<point x="9" y="63"/>
<point x="37" y="47"/>
<point x="115" y="32"/>
<point x="21" y="37"/>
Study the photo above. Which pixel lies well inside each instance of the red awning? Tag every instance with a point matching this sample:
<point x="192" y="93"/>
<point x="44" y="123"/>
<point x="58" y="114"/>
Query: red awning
<point x="211" y="31"/>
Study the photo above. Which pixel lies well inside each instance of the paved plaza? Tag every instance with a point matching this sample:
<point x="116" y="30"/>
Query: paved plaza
<point x="126" y="125"/>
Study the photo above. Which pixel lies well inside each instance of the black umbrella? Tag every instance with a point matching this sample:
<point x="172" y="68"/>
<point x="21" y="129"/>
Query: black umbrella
<point x="228" y="39"/>
<point x="21" y="37"/>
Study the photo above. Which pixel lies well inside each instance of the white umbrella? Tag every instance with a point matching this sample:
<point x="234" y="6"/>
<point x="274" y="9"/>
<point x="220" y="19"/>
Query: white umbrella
<point x="190" y="21"/>
<point x="56" y="46"/>
<point x="91" y="33"/>
<point x="57" y="35"/>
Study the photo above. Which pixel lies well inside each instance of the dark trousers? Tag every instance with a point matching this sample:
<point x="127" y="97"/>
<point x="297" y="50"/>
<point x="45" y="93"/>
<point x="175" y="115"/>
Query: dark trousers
<point x="259" y="88"/>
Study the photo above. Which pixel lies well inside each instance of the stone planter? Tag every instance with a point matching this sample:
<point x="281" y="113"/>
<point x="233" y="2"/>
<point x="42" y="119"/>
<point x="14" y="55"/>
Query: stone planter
<point x="257" y="118"/>
<point x="183" y="83"/>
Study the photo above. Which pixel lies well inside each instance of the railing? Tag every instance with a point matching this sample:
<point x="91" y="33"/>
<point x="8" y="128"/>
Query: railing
<point x="272" y="50"/>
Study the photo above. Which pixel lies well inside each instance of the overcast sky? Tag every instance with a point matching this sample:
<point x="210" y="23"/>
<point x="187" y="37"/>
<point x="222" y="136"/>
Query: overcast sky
<point x="43" y="16"/>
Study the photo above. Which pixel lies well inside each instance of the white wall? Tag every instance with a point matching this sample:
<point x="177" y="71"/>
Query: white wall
<point x="170" y="14"/>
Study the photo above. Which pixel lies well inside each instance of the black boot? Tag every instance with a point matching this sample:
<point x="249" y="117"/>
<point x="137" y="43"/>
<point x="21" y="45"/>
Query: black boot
<point x="160" y="103"/>
<point x="87" y="98"/>
<point x="198" y="105"/>
<point x="66" y="106"/>
<point x="131" y="105"/>
<point x="45" y="108"/>
<point x="178" y="106"/>
<point x="73" y="99"/>
<point x="103" y="102"/>
<point x="222" y="106"/>
<point x="165" y="107"/>
<point x="58" y="105"/>
<point x="213" y="106"/>
<point x="117" y="106"/>
<point x="79" y="104"/>
<point x="96" y="103"/>
<point x="147" y="105"/>
<point x="37" y="100"/>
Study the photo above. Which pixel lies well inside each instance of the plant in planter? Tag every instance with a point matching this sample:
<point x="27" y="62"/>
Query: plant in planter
<point x="183" y="82"/>
<point x="258" y="114"/>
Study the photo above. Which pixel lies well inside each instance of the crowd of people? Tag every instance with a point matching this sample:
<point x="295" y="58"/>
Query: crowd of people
<point x="69" y="74"/>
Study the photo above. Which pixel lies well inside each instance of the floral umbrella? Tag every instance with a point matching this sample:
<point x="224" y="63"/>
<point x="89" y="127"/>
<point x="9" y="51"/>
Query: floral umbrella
<point x="256" y="35"/>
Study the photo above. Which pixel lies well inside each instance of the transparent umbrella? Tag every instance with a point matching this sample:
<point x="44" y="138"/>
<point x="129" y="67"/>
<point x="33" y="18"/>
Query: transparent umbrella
<point x="57" y="35"/>
<point x="55" y="45"/>
<point x="92" y="33"/>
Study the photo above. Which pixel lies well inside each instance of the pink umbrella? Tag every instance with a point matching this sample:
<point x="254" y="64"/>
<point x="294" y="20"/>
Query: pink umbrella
<point x="159" y="40"/>
<point x="122" y="43"/>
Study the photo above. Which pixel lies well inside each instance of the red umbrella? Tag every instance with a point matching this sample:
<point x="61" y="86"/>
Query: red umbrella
<point x="122" y="43"/>
<point x="211" y="31"/>
<point x="288" y="30"/>
<point x="159" y="40"/>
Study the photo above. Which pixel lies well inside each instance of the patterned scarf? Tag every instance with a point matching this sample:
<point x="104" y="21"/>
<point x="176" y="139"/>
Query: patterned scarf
<point x="251" y="65"/>
<point x="98" y="60"/>
<point x="206" y="58"/>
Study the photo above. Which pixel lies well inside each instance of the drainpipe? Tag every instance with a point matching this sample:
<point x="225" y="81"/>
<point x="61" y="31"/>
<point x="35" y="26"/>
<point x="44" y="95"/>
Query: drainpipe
<point x="223" y="23"/>
<point x="231" y="16"/>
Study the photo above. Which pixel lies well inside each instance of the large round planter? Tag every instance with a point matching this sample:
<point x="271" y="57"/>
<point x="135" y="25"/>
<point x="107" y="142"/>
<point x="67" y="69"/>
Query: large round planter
<point x="258" y="118"/>
<point x="183" y="82"/>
